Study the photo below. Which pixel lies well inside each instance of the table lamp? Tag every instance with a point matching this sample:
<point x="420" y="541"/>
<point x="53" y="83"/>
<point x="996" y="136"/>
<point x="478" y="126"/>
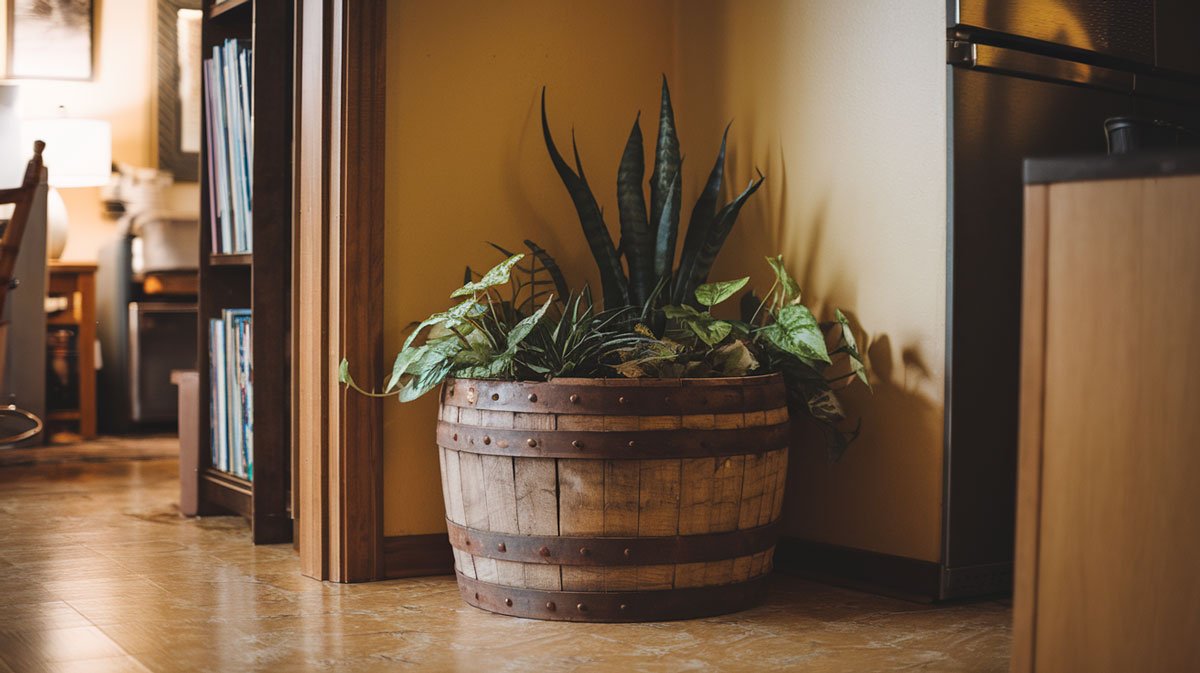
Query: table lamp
<point x="78" y="154"/>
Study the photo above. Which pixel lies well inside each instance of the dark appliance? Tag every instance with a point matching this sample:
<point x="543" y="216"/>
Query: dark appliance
<point x="1026" y="78"/>
<point x="156" y="332"/>
<point x="147" y="329"/>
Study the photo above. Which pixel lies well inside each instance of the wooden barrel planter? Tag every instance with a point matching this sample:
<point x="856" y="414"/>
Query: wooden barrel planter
<point x="613" y="500"/>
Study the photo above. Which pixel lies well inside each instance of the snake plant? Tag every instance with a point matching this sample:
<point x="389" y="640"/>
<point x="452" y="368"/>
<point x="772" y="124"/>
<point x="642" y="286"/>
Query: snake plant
<point x="649" y="235"/>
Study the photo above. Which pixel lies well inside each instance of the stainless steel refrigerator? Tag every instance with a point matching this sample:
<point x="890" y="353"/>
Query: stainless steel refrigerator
<point x="1027" y="78"/>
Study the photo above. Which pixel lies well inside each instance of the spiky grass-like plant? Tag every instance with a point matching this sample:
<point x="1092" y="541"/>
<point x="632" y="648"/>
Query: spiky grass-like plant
<point x="649" y="236"/>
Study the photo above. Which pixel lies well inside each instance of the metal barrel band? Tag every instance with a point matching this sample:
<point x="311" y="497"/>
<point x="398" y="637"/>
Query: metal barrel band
<point x="613" y="551"/>
<point x="724" y="396"/>
<point x="622" y="606"/>
<point x="612" y="445"/>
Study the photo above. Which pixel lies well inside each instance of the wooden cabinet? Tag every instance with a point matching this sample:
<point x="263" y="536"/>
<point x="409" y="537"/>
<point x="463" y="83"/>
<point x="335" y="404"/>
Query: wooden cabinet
<point x="1108" y="521"/>
<point x="76" y="284"/>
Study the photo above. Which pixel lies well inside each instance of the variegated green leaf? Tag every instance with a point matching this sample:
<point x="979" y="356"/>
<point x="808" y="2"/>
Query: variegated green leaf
<point x="788" y="286"/>
<point x="796" y="331"/>
<point x="850" y="345"/>
<point x="497" y="275"/>
<point x="711" y="294"/>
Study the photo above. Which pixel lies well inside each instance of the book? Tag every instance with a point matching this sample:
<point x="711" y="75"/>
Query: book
<point x="232" y="398"/>
<point x="229" y="123"/>
<point x="217" y="354"/>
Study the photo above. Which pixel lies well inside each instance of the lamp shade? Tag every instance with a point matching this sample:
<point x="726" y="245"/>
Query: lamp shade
<point x="78" y="151"/>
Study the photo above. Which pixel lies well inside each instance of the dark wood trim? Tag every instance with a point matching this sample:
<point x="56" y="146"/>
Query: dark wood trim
<point x="911" y="579"/>
<point x="417" y="556"/>
<point x="341" y="121"/>
<point x="363" y="102"/>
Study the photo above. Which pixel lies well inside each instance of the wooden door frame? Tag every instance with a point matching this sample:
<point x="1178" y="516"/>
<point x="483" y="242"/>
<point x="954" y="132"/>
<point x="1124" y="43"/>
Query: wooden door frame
<point x="339" y="228"/>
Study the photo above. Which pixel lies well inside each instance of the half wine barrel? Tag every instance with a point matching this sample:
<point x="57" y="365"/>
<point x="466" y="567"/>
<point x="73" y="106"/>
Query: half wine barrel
<point x="613" y="500"/>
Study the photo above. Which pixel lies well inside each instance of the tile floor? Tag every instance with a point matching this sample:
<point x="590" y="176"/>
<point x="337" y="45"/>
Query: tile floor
<point x="99" y="573"/>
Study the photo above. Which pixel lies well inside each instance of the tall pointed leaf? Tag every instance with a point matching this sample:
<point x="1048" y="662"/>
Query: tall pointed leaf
<point x="612" y="276"/>
<point x="666" y="165"/>
<point x="552" y="268"/>
<point x="497" y="275"/>
<point x="668" y="227"/>
<point x="694" y="271"/>
<point x="635" y="230"/>
<point x="704" y="213"/>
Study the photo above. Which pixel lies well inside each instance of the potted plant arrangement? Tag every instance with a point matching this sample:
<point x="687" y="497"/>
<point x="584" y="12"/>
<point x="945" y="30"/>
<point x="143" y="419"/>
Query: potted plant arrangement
<point x="623" y="460"/>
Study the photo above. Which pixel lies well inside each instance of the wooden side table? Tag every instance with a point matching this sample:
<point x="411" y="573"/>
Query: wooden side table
<point x="76" y="282"/>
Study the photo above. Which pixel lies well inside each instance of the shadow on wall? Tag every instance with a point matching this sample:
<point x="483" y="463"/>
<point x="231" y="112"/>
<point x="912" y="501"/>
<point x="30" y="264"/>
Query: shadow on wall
<point x="858" y="212"/>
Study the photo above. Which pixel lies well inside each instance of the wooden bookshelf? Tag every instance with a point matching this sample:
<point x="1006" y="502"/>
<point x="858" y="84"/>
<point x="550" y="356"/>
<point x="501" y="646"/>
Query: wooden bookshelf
<point x="260" y="280"/>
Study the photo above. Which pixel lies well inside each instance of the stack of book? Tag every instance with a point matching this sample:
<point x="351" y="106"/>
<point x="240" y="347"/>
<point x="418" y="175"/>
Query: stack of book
<point x="229" y="122"/>
<point x="232" y="399"/>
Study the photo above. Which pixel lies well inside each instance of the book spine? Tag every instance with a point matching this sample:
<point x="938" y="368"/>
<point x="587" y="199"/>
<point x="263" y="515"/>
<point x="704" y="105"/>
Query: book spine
<point x="231" y="119"/>
<point x="214" y="426"/>
<point x="233" y="394"/>
<point x="244" y="59"/>
<point x="209" y="156"/>
<point x="221" y="394"/>
<point x="221" y="142"/>
<point x="247" y="396"/>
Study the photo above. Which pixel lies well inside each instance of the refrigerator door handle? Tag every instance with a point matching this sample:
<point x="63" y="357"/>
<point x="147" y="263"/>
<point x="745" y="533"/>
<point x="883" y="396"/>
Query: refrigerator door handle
<point x="1017" y="63"/>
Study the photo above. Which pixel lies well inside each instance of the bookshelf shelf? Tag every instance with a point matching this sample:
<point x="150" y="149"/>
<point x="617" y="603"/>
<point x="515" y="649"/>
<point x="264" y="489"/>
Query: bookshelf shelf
<point x="226" y="8"/>
<point x="225" y="259"/>
<point x="259" y="282"/>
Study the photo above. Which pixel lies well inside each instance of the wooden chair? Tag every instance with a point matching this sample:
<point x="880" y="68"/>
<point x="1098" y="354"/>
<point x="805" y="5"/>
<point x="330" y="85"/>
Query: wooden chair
<point x="10" y="245"/>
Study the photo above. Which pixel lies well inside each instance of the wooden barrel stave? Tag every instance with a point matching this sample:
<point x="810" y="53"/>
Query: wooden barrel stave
<point x="653" y="497"/>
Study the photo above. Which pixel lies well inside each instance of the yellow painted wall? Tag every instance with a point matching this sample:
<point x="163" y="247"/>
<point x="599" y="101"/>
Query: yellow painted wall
<point x="122" y="92"/>
<point x="842" y="105"/>
<point x="466" y="164"/>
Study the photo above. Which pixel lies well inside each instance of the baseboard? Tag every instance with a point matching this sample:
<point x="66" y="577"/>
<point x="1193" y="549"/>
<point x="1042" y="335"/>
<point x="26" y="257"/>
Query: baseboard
<point x="978" y="581"/>
<point x="417" y="556"/>
<point x="910" y="579"/>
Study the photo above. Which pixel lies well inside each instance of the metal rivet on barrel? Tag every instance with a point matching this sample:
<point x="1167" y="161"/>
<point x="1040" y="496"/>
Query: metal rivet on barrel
<point x="584" y="551"/>
<point x="487" y="440"/>
<point x="531" y="442"/>
<point x="577" y="444"/>
<point x="632" y="443"/>
<point x="621" y="400"/>
<point x="508" y="602"/>
<point x="581" y="607"/>
<point x="532" y="397"/>
<point x="667" y="399"/>
<point x="574" y="399"/>
<point x="495" y="396"/>
<point x="628" y="552"/>
<point x="544" y="551"/>
<point x="551" y="606"/>
<point x="623" y="606"/>
<point x="501" y="547"/>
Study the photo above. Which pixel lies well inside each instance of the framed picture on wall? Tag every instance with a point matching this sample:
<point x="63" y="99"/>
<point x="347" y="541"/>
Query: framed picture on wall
<point x="179" y="67"/>
<point x="50" y="39"/>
